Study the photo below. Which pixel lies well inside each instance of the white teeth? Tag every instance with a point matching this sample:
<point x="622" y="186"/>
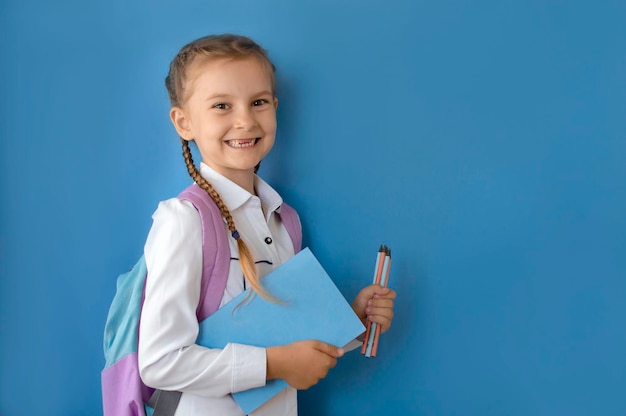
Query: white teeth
<point x="242" y="143"/>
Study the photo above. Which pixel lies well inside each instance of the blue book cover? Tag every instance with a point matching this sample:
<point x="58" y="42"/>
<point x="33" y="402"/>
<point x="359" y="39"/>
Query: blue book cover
<point x="310" y="307"/>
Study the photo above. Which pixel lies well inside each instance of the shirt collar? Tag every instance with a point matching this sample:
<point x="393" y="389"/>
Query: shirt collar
<point x="234" y="196"/>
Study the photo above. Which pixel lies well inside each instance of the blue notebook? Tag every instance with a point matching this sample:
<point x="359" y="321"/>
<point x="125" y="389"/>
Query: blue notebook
<point x="312" y="308"/>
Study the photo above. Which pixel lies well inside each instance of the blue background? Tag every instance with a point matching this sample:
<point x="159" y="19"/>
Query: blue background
<point x="484" y="142"/>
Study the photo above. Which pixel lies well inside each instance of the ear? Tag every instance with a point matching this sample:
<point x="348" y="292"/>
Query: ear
<point x="275" y="103"/>
<point x="181" y="123"/>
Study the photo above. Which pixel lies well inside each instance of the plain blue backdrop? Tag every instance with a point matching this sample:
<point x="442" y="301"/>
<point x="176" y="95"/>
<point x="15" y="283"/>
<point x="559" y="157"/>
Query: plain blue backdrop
<point x="484" y="142"/>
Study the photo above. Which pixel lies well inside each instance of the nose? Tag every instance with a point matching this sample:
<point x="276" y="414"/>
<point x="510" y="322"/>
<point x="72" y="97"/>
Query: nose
<point x="245" y="119"/>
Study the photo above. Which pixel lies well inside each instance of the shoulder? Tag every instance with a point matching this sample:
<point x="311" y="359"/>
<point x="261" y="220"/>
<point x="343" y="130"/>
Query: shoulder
<point x="175" y="227"/>
<point x="175" y="210"/>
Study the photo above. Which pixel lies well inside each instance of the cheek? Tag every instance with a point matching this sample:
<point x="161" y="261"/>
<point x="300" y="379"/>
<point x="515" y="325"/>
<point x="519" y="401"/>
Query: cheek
<point x="272" y="128"/>
<point x="269" y="141"/>
<point x="269" y="122"/>
<point x="214" y="130"/>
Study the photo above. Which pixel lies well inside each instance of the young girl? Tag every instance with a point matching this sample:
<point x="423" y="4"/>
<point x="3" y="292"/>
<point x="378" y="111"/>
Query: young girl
<point x="221" y="90"/>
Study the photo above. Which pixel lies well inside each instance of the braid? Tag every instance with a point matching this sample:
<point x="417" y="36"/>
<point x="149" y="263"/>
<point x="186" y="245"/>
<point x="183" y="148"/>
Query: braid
<point x="245" y="256"/>
<point x="204" y="184"/>
<point x="177" y="84"/>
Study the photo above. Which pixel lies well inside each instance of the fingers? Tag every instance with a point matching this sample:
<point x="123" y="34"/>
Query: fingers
<point x="384" y="292"/>
<point x="380" y="305"/>
<point x="318" y="365"/>
<point x="379" y="309"/>
<point x="302" y="363"/>
<point x="370" y="291"/>
<point x="332" y="353"/>
<point x="383" y="322"/>
<point x="328" y="349"/>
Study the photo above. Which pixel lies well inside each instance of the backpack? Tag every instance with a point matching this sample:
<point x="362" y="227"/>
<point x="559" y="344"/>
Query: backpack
<point x="123" y="392"/>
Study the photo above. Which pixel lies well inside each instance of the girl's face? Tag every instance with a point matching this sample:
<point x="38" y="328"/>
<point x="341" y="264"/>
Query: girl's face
<point x="231" y="114"/>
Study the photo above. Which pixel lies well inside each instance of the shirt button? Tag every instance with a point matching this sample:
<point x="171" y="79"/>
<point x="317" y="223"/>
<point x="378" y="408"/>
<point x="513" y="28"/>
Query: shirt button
<point x="268" y="240"/>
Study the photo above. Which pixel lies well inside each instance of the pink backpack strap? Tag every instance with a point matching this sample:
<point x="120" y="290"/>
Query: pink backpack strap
<point x="215" y="251"/>
<point x="291" y="221"/>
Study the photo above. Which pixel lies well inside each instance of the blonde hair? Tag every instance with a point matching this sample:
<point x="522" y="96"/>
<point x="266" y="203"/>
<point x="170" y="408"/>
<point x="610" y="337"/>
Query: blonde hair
<point x="176" y="82"/>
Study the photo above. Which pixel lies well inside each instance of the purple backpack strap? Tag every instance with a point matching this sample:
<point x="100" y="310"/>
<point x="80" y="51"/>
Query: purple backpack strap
<point x="291" y="221"/>
<point x="215" y="251"/>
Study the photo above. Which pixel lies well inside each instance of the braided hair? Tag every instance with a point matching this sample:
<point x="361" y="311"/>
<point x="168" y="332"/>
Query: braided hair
<point x="212" y="47"/>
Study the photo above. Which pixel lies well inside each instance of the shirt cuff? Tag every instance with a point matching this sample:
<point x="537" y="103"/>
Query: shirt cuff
<point x="249" y="367"/>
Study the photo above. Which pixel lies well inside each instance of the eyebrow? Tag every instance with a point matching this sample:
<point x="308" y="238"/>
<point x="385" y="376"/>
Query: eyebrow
<point x="258" y="94"/>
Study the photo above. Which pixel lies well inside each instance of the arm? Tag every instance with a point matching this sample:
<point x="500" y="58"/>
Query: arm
<point x="168" y="355"/>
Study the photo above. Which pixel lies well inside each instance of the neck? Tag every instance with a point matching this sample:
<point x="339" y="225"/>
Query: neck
<point x="245" y="179"/>
<point x="248" y="184"/>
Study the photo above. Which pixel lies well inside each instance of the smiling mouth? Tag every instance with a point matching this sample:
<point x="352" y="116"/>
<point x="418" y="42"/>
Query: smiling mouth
<point x="242" y="143"/>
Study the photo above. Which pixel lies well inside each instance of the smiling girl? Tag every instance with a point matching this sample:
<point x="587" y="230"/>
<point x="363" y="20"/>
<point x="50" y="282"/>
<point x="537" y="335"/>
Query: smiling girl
<point x="221" y="90"/>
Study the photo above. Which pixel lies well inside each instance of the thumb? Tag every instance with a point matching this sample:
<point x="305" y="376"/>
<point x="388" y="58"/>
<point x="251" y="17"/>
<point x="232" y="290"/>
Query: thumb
<point x="329" y="349"/>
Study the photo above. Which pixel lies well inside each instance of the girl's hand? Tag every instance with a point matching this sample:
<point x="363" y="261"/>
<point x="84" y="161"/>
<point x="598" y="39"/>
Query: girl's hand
<point x="301" y="364"/>
<point x="375" y="303"/>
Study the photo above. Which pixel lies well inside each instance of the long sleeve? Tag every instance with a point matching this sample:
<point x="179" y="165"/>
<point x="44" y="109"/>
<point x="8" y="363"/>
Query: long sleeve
<point x="168" y="356"/>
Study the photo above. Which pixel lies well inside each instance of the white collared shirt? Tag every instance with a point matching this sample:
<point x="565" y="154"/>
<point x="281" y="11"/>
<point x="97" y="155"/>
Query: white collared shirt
<point x="169" y="359"/>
